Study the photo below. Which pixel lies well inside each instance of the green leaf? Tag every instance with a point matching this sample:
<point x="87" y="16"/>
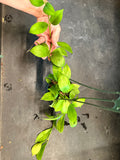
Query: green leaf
<point x="65" y="46"/>
<point x="36" y="148"/>
<point x="45" y="45"/>
<point x="57" y="17"/>
<point x="50" y="76"/>
<point x="38" y="28"/>
<point x="61" y="51"/>
<point x="60" y="124"/>
<point x="65" y="106"/>
<point x="48" y="80"/>
<point x="72" y="115"/>
<point x="48" y="97"/>
<point x="66" y="71"/>
<point x="61" y="105"/>
<point x="53" y="118"/>
<point x="40" y="153"/>
<point x="42" y="136"/>
<point x="64" y="83"/>
<point x="57" y="59"/>
<point x="58" y="105"/>
<point x="79" y="104"/>
<point x="37" y="3"/>
<point x="74" y="91"/>
<point x="54" y="90"/>
<point x="56" y="72"/>
<point x="40" y="51"/>
<point x="49" y="9"/>
<point x="1" y="56"/>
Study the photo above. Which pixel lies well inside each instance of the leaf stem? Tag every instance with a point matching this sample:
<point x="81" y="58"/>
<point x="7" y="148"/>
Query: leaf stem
<point x="99" y="90"/>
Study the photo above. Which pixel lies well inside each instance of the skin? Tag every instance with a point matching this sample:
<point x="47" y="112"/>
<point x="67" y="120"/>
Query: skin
<point x="26" y="6"/>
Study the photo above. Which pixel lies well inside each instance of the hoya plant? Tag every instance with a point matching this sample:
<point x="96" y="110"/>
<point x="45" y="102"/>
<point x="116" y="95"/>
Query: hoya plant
<point x="63" y="92"/>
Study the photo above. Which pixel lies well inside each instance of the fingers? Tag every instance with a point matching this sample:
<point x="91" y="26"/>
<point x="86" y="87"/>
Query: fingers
<point x="56" y="34"/>
<point x="40" y="40"/>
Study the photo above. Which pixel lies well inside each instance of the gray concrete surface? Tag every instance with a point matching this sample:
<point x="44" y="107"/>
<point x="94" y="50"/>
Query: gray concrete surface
<point x="92" y="28"/>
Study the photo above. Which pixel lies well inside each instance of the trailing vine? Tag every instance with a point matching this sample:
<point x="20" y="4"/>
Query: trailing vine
<point x="63" y="92"/>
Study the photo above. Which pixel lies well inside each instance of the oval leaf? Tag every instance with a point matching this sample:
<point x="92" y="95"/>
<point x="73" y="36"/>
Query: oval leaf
<point x="42" y="136"/>
<point x="56" y="71"/>
<point x="72" y="115"/>
<point x="65" y="46"/>
<point x="79" y="104"/>
<point x="57" y="17"/>
<point x="48" y="97"/>
<point x="37" y="3"/>
<point x="60" y="124"/>
<point x="36" y="148"/>
<point x="66" y="71"/>
<point x="64" y="83"/>
<point x="40" y="154"/>
<point x="57" y="59"/>
<point x="40" y="51"/>
<point x="49" y="9"/>
<point x="38" y="28"/>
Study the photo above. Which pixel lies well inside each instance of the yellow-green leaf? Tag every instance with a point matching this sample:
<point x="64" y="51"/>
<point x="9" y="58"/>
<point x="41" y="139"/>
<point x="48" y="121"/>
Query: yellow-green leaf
<point x="36" y="148"/>
<point x="38" y="28"/>
<point x="79" y="104"/>
<point x="42" y="136"/>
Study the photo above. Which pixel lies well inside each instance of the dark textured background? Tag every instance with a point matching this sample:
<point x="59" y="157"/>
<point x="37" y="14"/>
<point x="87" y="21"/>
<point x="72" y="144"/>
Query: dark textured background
<point x="92" y="28"/>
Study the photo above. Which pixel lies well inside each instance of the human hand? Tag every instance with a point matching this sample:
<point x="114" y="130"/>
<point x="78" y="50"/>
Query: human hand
<point x="51" y="40"/>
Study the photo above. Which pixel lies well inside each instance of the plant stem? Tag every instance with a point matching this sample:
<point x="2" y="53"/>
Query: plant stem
<point x="99" y="99"/>
<point x="99" y="90"/>
<point x="101" y="107"/>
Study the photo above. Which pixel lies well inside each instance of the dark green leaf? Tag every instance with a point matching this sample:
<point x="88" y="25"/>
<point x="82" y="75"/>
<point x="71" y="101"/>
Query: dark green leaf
<point x="64" y="83"/>
<point x="66" y="71"/>
<point x="60" y="124"/>
<point x="40" y="51"/>
<point x="54" y="90"/>
<point x="79" y="104"/>
<point x="48" y="97"/>
<point x="49" y="9"/>
<point x="50" y="76"/>
<point x="65" y="46"/>
<point x="42" y="136"/>
<point x="37" y="3"/>
<point x="57" y="59"/>
<point x="38" y="28"/>
<point x="36" y="148"/>
<point x="57" y="17"/>
<point x="40" y="153"/>
<point x="72" y="115"/>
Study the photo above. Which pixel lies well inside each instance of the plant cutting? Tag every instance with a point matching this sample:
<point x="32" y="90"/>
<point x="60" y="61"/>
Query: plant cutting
<point x="63" y="92"/>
